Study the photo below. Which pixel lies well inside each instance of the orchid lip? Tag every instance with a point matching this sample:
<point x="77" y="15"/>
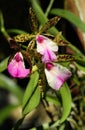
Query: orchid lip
<point x="16" y="67"/>
<point x="56" y="75"/>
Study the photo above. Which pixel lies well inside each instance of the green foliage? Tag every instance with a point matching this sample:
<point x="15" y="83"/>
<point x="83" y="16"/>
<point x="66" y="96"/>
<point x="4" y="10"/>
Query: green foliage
<point x="11" y="86"/>
<point x="66" y="104"/>
<point x="66" y="101"/>
<point x="80" y="67"/>
<point x="16" y="31"/>
<point x="32" y="94"/>
<point x="53" y="99"/>
<point x="3" y="64"/>
<point x="70" y="17"/>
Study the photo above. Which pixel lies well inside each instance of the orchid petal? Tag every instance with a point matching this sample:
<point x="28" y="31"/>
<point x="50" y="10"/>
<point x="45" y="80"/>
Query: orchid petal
<point x="46" y="48"/>
<point x="48" y="56"/>
<point x="56" y="75"/>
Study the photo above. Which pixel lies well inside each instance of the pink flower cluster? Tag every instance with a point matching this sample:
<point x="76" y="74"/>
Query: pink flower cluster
<point x="56" y="74"/>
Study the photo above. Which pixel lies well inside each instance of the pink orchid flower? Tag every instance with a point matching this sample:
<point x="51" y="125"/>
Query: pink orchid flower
<point x="46" y="48"/>
<point x="16" y="66"/>
<point x="56" y="75"/>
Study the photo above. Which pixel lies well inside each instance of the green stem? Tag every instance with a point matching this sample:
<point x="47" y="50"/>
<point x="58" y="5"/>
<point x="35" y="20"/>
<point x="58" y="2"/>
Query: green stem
<point x="4" y="32"/>
<point x="16" y="31"/>
<point x="2" y="28"/>
<point x="23" y="46"/>
<point x="80" y="60"/>
<point x="49" y="7"/>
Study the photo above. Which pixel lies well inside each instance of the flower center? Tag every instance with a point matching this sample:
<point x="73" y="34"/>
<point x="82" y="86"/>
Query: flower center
<point x="18" y="57"/>
<point x="40" y="39"/>
<point x="49" y="66"/>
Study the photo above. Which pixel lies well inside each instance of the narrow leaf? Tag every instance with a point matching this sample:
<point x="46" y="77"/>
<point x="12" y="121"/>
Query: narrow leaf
<point x="66" y="102"/>
<point x="32" y="94"/>
<point x="79" y="66"/>
<point x="53" y="99"/>
<point x="33" y="101"/>
<point x="70" y="17"/>
<point x="80" y="61"/>
<point x="62" y="127"/>
<point x="3" y="64"/>
<point x="49" y="7"/>
<point x="16" y="31"/>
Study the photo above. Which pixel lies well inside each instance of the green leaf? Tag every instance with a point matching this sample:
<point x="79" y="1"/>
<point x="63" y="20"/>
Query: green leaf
<point x="70" y="17"/>
<point x="52" y="99"/>
<point x="16" y="31"/>
<point x="80" y="61"/>
<point x="66" y="102"/>
<point x="3" y="64"/>
<point x="62" y="127"/>
<point x="76" y="80"/>
<point x="5" y="112"/>
<point x="49" y="7"/>
<point x="32" y="94"/>
<point x="11" y="86"/>
<point x="80" y="67"/>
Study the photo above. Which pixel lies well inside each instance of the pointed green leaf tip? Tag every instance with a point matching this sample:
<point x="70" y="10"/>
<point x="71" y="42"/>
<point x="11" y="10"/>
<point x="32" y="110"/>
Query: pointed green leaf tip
<point x="32" y="94"/>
